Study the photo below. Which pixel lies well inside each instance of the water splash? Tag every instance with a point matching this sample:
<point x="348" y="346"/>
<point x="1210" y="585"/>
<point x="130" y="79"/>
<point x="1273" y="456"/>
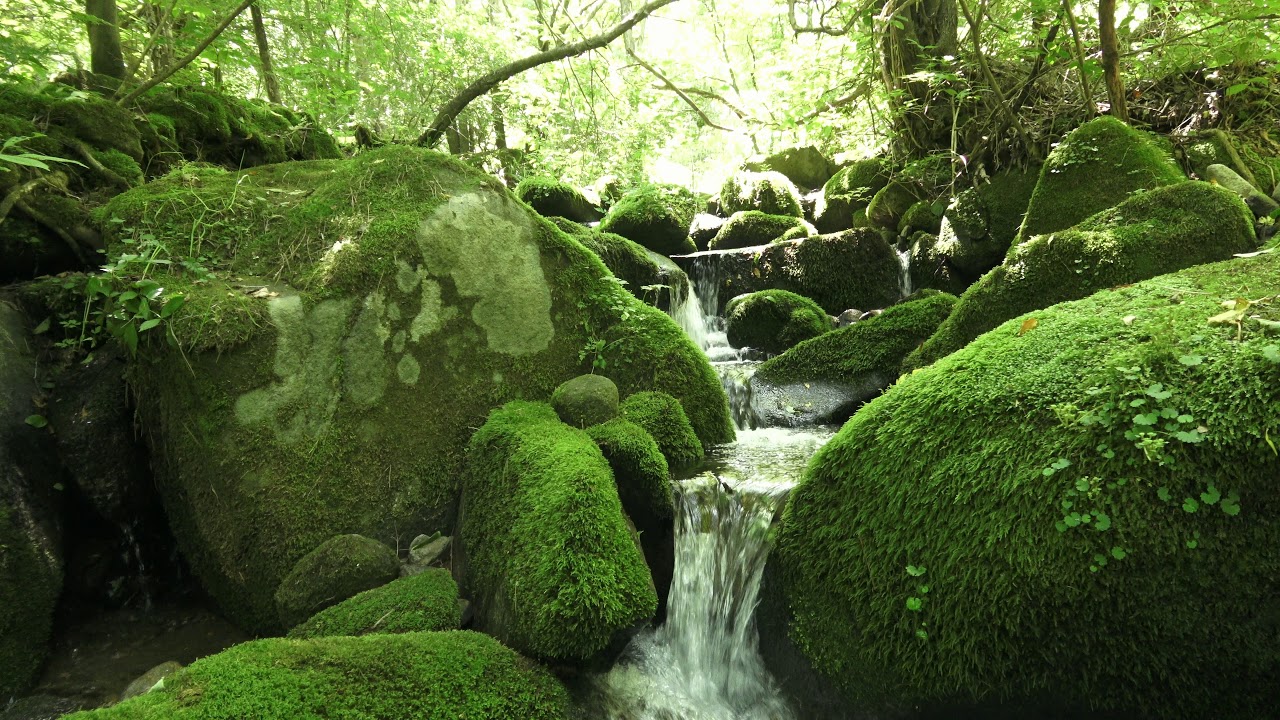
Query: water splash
<point x="904" y="272"/>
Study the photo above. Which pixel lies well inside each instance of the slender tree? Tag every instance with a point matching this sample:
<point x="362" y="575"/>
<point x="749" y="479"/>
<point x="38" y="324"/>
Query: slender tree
<point x="106" y="56"/>
<point x="1111" y="58"/>
<point x="269" y="78"/>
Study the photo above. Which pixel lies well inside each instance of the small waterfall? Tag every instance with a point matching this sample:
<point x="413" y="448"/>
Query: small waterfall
<point x="904" y="272"/>
<point x="704" y="662"/>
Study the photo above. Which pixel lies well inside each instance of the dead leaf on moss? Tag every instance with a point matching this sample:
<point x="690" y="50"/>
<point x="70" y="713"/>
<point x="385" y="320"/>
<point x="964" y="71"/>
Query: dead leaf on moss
<point x="1027" y="326"/>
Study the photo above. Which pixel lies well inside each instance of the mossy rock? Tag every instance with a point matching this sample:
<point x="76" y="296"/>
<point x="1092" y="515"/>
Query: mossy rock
<point x="704" y="228"/>
<point x="208" y="125"/>
<point x="890" y="204"/>
<point x="852" y="269"/>
<point x="1020" y="473"/>
<point x="550" y="564"/>
<point x="551" y="198"/>
<point x="769" y="192"/>
<point x="342" y="403"/>
<point x="1095" y="167"/>
<point x="920" y="217"/>
<point x="664" y="418"/>
<point x="586" y="400"/>
<point x="921" y="180"/>
<point x="120" y="164"/>
<point x="774" y="320"/>
<point x="424" y="602"/>
<point x="805" y="166"/>
<point x="99" y="122"/>
<point x="1155" y="232"/>
<point x="931" y="266"/>
<point x="846" y="195"/>
<point x="655" y="216"/>
<point x="340" y="568"/>
<point x="418" y="675"/>
<point x="980" y="224"/>
<point x="748" y="228"/>
<point x="649" y="276"/>
<point x="30" y="507"/>
<point x="866" y="353"/>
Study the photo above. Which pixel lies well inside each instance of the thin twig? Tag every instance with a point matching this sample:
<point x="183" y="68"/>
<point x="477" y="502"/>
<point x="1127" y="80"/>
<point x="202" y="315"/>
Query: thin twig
<point x="190" y="57"/>
<point x="679" y="93"/>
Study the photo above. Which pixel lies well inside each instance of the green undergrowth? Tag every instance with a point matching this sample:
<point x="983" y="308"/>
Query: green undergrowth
<point x="552" y="568"/>
<point x="872" y="347"/>
<point x="1094" y="492"/>
<point x="424" y="602"/>
<point x="415" y="675"/>
<point x="1154" y="232"/>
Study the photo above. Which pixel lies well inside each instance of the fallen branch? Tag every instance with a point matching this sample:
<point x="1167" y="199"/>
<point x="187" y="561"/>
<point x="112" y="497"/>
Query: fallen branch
<point x="87" y="155"/>
<point x="15" y="195"/>
<point x="445" y="117"/>
<point x="190" y="57"/>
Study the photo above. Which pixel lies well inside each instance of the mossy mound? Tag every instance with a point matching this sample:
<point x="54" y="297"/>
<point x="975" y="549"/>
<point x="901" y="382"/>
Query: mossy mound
<point x="1094" y="493"/>
<point x="1095" y="167"/>
<point x="748" y="228"/>
<point x="920" y="217"/>
<point x="1155" y="232"/>
<point x="872" y="348"/>
<point x="414" y="675"/>
<point x="210" y="126"/>
<point x="769" y="192"/>
<point x="650" y="277"/>
<point x="773" y="320"/>
<point x="551" y="198"/>
<point x="339" y="397"/>
<point x="586" y="400"/>
<point x="852" y="269"/>
<point x="639" y="470"/>
<point x="341" y="567"/>
<point x="931" y="268"/>
<point x="805" y="166"/>
<point x="846" y="195"/>
<point x="664" y="418"/>
<point x="550" y="564"/>
<point x="655" y="216"/>
<point x="920" y="181"/>
<point x="981" y="224"/>
<point x="424" y="602"/>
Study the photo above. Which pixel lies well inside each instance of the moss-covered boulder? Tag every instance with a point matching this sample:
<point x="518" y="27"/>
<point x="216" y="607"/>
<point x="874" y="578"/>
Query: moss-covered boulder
<point x="923" y="180"/>
<point x="930" y="267"/>
<point x="1095" y="493"/>
<point x="551" y="198"/>
<point x="427" y="601"/>
<point x="769" y="192"/>
<point x="30" y="538"/>
<point x="404" y="295"/>
<point x="846" y="195"/>
<point x="655" y="216"/>
<point x="586" y="400"/>
<point x="749" y="228"/>
<point x="211" y="126"/>
<point x="865" y="354"/>
<point x="418" y="675"/>
<point x="852" y="269"/>
<point x="652" y="278"/>
<point x="336" y="570"/>
<point x="805" y="166"/>
<point x="1095" y="167"/>
<point x="1154" y="232"/>
<point x="773" y="320"/>
<point x="704" y="228"/>
<point x="980" y="224"/>
<point x="663" y="417"/>
<point x="920" y="217"/>
<point x="643" y="479"/>
<point x="550" y="564"/>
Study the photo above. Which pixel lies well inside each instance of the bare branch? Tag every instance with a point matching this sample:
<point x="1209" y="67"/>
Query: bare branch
<point x="679" y="93"/>
<point x="190" y="57"/>
<point x="445" y="117"/>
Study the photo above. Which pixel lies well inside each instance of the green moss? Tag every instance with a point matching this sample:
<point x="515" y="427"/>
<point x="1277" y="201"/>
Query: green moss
<point x="308" y="420"/>
<point x="1155" y="232"/>
<point x="120" y="164"/>
<point x="663" y="417"/>
<point x="891" y="203"/>
<point x="769" y="192"/>
<point x="932" y="265"/>
<point x="874" y="347"/>
<point x="341" y="567"/>
<point x="954" y="473"/>
<point x="773" y="320"/>
<point x="852" y="269"/>
<point x="982" y="223"/>
<point x="551" y="198"/>
<point x="748" y="228"/>
<point x="846" y="195"/>
<point x="424" y="602"/>
<point x="586" y="400"/>
<point x="639" y="470"/>
<point x="1095" y="167"/>
<point x="99" y="122"/>
<point x="28" y="592"/>
<point x="920" y="217"/>
<point x="655" y="216"/>
<point x="631" y="263"/>
<point x="422" y="675"/>
<point x="552" y="569"/>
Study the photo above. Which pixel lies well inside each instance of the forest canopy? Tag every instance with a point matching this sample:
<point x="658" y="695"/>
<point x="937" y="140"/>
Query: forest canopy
<point x="695" y="87"/>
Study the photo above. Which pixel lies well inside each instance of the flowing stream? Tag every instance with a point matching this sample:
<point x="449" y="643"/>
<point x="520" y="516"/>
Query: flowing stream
<point x="704" y="662"/>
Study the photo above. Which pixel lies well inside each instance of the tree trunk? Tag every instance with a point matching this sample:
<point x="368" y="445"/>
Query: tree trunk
<point x="264" y="55"/>
<point x="915" y="34"/>
<point x="105" y="53"/>
<point x="445" y="117"/>
<point x="1111" y="58"/>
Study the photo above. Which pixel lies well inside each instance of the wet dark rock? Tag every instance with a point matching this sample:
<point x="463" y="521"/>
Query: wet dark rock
<point x="848" y="317"/>
<point x="39" y="707"/>
<point x="148" y="680"/>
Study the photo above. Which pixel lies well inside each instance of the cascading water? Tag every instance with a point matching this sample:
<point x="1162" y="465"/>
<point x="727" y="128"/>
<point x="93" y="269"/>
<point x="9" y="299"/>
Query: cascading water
<point x="704" y="663"/>
<point x="904" y="272"/>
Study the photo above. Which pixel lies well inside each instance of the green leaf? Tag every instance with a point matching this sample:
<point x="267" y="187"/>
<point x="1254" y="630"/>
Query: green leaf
<point x="172" y="305"/>
<point x="916" y="571"/>
<point x="1061" y="463"/>
<point x="148" y="324"/>
<point x="1082" y="485"/>
<point x="1147" y="419"/>
<point x="1102" y="522"/>
<point x="1190" y="505"/>
<point x="1192" y="544"/>
<point x="922" y="634"/>
<point x="1191" y="360"/>
<point x="37" y="421"/>
<point x="1211" y="496"/>
<point x="43" y="327"/>
<point x="24" y="160"/>
<point x="915" y="604"/>
<point x="1118" y="553"/>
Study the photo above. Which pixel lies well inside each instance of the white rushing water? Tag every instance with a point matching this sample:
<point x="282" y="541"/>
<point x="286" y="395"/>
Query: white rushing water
<point x="704" y="662"/>
<point x="904" y="272"/>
